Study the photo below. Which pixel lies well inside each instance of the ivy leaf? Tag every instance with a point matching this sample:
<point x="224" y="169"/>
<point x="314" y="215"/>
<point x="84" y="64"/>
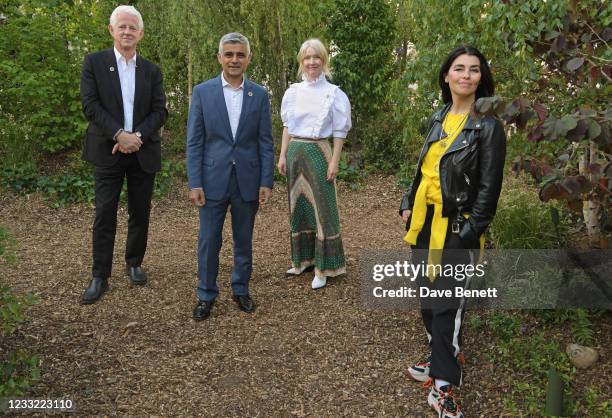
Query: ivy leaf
<point x="587" y="111"/>
<point x="579" y="132"/>
<point x="488" y="105"/>
<point x="552" y="190"/>
<point x="569" y="122"/>
<point x="524" y="117"/>
<point x="564" y="158"/>
<point x="536" y="133"/>
<point x="541" y="111"/>
<point x="594" y="129"/>
<point x="575" y="63"/>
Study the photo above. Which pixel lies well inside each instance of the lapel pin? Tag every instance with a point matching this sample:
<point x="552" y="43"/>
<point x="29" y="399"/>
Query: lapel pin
<point x="112" y="69"/>
<point x="250" y="93"/>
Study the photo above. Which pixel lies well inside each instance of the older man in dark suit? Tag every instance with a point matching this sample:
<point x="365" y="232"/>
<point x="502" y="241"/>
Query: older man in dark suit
<point x="123" y="100"/>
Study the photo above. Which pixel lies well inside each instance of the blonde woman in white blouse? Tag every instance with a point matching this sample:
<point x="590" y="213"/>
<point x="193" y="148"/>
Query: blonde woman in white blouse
<point x="313" y="111"/>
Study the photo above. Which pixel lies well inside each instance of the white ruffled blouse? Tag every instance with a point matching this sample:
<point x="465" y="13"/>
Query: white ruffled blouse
<point x="316" y="109"/>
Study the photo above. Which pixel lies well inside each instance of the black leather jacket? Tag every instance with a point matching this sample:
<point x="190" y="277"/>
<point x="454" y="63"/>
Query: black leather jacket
<point x="471" y="172"/>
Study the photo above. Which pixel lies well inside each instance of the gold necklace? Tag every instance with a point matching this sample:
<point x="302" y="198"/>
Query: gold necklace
<point x="459" y="126"/>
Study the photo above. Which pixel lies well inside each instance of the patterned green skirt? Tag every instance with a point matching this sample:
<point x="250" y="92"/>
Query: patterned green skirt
<point x="315" y="224"/>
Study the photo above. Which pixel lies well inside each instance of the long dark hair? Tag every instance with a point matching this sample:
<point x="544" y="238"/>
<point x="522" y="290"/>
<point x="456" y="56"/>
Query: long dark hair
<point x="486" y="87"/>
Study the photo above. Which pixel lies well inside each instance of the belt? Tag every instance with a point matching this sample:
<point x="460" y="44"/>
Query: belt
<point x="299" y="138"/>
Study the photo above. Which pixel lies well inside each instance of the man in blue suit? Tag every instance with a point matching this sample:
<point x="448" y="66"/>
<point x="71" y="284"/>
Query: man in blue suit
<point x="230" y="162"/>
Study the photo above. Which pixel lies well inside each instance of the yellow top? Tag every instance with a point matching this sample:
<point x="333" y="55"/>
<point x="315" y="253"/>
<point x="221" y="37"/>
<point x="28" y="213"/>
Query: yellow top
<point x="429" y="192"/>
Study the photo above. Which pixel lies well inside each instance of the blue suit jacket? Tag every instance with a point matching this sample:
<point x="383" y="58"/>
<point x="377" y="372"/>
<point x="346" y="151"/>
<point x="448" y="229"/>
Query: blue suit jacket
<point x="211" y="150"/>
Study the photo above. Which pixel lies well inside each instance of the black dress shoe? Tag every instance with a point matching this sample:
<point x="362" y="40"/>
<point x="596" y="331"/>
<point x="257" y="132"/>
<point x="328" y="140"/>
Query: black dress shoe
<point x="306" y="270"/>
<point x="137" y="275"/>
<point x="202" y="309"/>
<point x="245" y="303"/>
<point x="95" y="290"/>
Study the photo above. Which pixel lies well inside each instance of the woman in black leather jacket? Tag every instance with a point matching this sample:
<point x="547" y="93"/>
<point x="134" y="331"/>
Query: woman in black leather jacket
<point x="450" y="203"/>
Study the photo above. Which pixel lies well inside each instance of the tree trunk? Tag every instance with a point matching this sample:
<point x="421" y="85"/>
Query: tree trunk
<point x="591" y="206"/>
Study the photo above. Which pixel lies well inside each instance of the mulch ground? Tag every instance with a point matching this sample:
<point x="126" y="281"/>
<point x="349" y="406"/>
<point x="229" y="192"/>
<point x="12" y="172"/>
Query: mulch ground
<point x="302" y="353"/>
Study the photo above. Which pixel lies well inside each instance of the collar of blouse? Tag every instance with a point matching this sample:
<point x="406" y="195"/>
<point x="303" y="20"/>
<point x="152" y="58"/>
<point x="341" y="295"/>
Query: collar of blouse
<point x="318" y="80"/>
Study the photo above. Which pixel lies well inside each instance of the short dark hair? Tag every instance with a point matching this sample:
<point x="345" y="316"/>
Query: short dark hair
<point x="486" y="88"/>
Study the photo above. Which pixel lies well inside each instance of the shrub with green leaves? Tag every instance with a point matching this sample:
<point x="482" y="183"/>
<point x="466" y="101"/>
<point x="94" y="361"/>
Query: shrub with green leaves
<point x="7" y="246"/>
<point x="18" y="368"/>
<point x="523" y="221"/>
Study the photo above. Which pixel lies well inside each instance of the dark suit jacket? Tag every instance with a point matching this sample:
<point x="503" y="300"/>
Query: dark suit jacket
<point x="212" y="152"/>
<point x="103" y="108"/>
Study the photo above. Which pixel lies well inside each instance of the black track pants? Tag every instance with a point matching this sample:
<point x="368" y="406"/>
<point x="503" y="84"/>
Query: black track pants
<point x="443" y="316"/>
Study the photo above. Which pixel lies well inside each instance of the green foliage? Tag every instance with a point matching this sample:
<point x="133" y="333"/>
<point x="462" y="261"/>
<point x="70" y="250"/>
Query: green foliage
<point x="62" y="189"/>
<point x="19" y="178"/>
<point x="504" y="326"/>
<point x="182" y="37"/>
<point x="579" y="319"/>
<point x="523" y="350"/>
<point x="7" y="246"/>
<point x="349" y="172"/>
<point x="362" y="32"/>
<point x="522" y="221"/>
<point x="528" y="358"/>
<point x="76" y="185"/>
<point x="597" y="404"/>
<point x="41" y="49"/>
<point x="18" y="369"/>
<point x="164" y="179"/>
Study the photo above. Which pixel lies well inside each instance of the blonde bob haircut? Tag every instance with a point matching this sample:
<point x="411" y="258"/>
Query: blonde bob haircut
<point x="319" y="48"/>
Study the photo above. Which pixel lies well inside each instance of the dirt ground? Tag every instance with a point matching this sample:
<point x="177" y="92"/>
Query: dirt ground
<point x="302" y="353"/>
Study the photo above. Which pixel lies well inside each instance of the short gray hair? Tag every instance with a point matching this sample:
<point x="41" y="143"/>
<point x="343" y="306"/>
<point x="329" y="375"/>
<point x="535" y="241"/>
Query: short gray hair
<point x="130" y="10"/>
<point x="234" y="38"/>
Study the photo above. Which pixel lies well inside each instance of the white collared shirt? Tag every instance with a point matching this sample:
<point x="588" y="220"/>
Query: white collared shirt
<point x="233" y="102"/>
<point x="316" y="109"/>
<point x="127" y="78"/>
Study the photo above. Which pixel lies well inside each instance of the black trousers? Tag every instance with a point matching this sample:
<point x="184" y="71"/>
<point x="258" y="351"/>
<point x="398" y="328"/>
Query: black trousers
<point x="443" y="316"/>
<point x="109" y="182"/>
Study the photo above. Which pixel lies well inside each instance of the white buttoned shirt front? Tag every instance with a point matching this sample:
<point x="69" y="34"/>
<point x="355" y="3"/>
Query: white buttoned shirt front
<point x="127" y="78"/>
<point x="233" y="103"/>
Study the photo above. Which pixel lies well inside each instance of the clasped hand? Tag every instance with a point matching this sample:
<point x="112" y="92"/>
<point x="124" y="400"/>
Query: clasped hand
<point x="127" y="143"/>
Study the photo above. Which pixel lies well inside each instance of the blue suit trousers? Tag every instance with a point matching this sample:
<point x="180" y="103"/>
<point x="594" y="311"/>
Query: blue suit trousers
<point x="212" y="218"/>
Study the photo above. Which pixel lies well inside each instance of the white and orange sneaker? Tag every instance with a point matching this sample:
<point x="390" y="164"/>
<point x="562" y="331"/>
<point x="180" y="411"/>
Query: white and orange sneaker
<point x="443" y="401"/>
<point x="420" y="371"/>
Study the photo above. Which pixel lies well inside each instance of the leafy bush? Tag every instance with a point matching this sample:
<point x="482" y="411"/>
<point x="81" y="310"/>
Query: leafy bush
<point x="532" y="357"/>
<point x="523" y="221"/>
<point x="7" y="246"/>
<point x="170" y="170"/>
<point x="75" y="186"/>
<point x="18" y="369"/>
<point x="19" y="178"/>
<point x="349" y="172"/>
<point x="580" y="320"/>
